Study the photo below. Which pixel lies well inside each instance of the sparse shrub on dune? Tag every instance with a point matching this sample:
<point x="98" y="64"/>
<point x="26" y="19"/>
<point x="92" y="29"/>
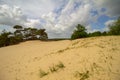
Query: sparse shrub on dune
<point x="43" y="73"/>
<point x="60" y="65"/>
<point x="82" y="76"/>
<point x="114" y="29"/>
<point x="79" y="32"/>
<point x="60" y="51"/>
<point x="52" y="69"/>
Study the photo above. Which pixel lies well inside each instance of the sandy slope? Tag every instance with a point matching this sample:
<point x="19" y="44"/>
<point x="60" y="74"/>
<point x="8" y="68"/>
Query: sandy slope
<point x="96" y="58"/>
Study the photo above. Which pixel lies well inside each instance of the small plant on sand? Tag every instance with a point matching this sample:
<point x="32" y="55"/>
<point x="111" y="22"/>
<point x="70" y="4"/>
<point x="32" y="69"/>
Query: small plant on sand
<point x="53" y="69"/>
<point x="67" y="48"/>
<point x="43" y="73"/>
<point x="60" y="51"/>
<point x="60" y="65"/>
<point x="56" y="67"/>
<point x="82" y="76"/>
<point x="75" y="43"/>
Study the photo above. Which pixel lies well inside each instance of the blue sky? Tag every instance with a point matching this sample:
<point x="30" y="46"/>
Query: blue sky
<point x="59" y="17"/>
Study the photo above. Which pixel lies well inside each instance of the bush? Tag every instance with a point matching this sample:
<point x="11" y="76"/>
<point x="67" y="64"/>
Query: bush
<point x="80" y="32"/>
<point x="77" y="35"/>
<point x="115" y="28"/>
<point x="97" y="33"/>
<point x="20" y="34"/>
<point x="4" y="41"/>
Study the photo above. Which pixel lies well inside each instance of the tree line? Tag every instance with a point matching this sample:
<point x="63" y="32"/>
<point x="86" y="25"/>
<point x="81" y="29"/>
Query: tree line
<point x="21" y="34"/>
<point x="81" y="31"/>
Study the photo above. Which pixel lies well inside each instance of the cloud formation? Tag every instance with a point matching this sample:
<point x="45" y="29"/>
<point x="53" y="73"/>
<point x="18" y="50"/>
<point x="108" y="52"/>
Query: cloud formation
<point x="11" y="15"/>
<point x="58" y="17"/>
<point x="109" y="23"/>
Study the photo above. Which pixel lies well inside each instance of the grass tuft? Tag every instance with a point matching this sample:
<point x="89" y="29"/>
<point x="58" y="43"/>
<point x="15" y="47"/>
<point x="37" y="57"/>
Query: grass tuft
<point x="82" y="76"/>
<point x="43" y="73"/>
<point x="60" y="51"/>
<point x="60" y="65"/>
<point x="53" y="69"/>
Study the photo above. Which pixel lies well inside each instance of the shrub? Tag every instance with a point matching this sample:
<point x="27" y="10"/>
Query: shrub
<point x="115" y="28"/>
<point x="96" y="33"/>
<point x="80" y="32"/>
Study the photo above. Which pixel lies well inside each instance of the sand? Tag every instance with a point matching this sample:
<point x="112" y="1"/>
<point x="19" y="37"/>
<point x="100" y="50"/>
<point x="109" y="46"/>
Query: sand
<point x="96" y="58"/>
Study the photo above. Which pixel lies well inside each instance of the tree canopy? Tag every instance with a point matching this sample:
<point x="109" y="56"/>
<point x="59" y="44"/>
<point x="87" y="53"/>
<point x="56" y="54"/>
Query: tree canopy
<point x="21" y="34"/>
<point x="115" y="28"/>
<point x="79" y="32"/>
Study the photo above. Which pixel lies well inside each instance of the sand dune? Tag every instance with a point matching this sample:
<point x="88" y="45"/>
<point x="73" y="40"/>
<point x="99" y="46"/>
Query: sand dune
<point x="96" y="58"/>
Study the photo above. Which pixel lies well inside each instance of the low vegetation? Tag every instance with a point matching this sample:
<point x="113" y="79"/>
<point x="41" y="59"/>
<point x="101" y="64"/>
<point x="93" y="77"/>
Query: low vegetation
<point x="82" y="76"/>
<point x="80" y="31"/>
<point x="60" y="65"/>
<point x="52" y="69"/>
<point x="21" y="34"/>
<point x="43" y="73"/>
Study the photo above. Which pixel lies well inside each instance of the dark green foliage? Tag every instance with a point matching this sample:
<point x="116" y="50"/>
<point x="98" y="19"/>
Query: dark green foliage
<point x="115" y="28"/>
<point x="20" y="34"/>
<point x="18" y="27"/>
<point x="19" y="38"/>
<point x="97" y="33"/>
<point x="80" y="32"/>
<point x="13" y="40"/>
<point x="104" y="33"/>
<point x="4" y="39"/>
<point x="33" y="33"/>
<point x="43" y="34"/>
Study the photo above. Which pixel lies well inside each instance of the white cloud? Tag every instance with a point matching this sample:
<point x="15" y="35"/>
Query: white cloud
<point x="30" y="7"/>
<point x="68" y="18"/>
<point x="58" y="17"/>
<point x="11" y="16"/>
<point x="32" y="23"/>
<point x="108" y="23"/>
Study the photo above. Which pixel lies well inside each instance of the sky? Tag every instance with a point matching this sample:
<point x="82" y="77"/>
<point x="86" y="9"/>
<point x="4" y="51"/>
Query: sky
<point x="59" y="17"/>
